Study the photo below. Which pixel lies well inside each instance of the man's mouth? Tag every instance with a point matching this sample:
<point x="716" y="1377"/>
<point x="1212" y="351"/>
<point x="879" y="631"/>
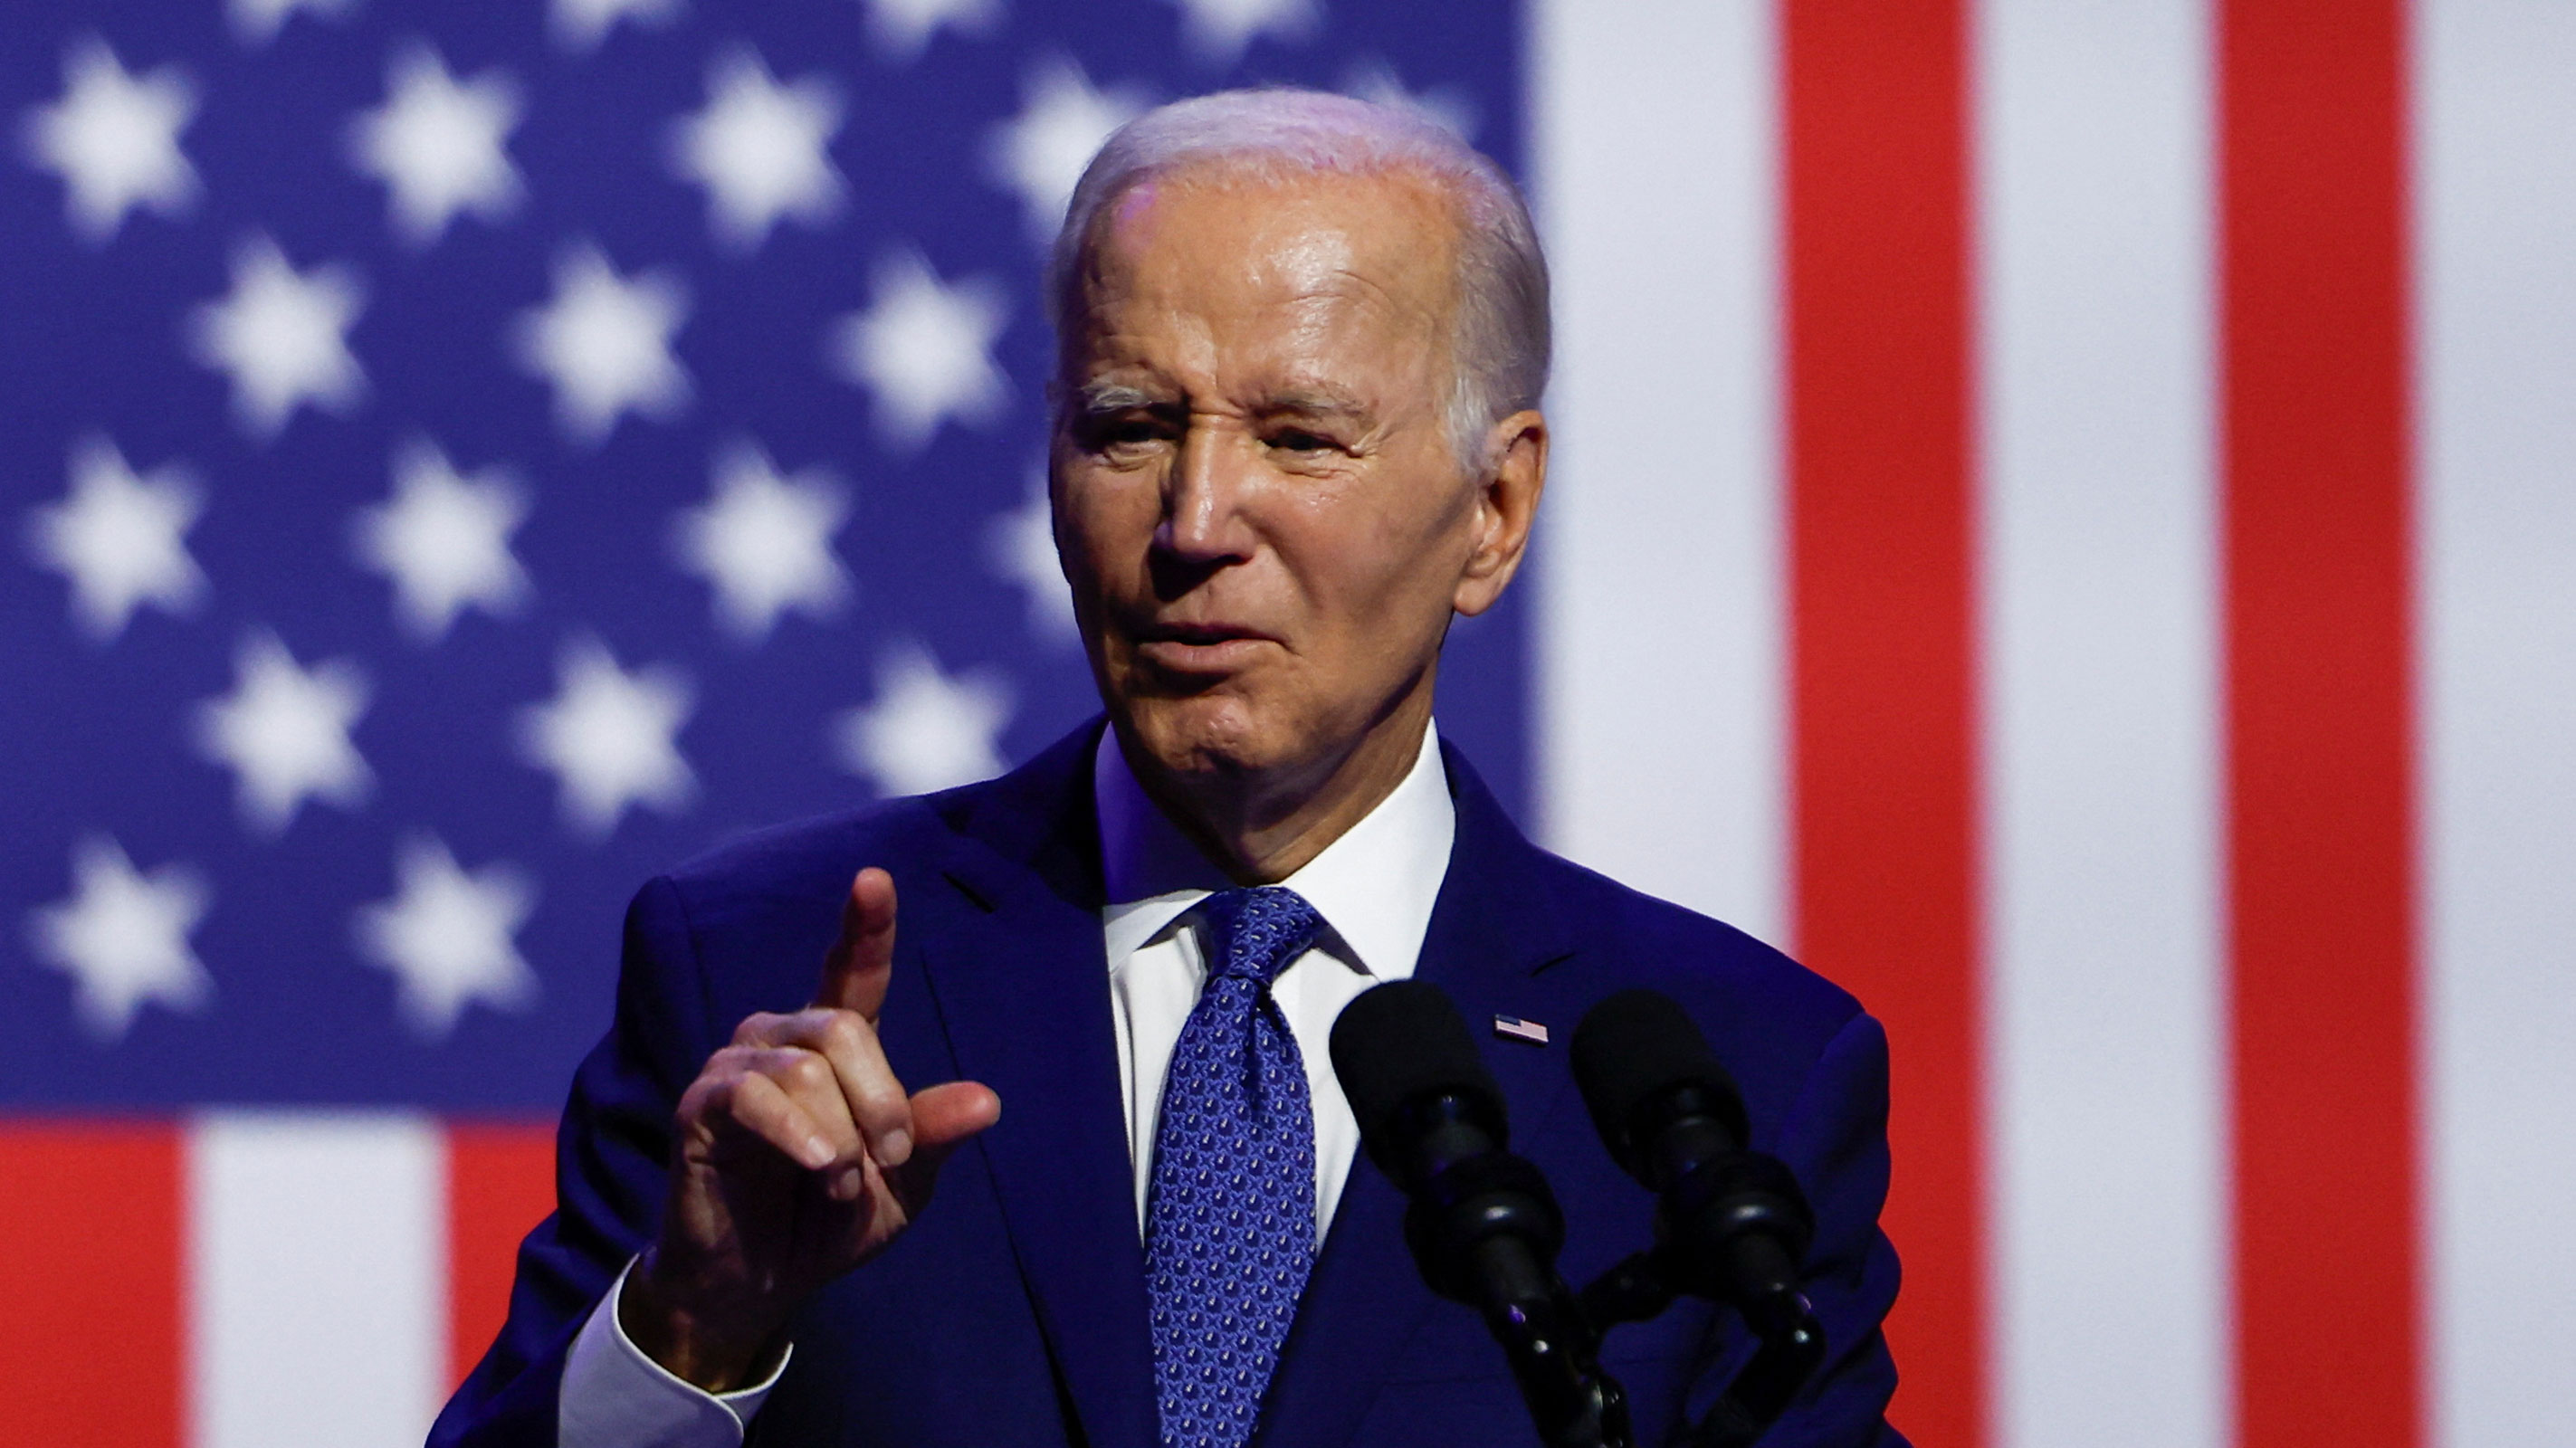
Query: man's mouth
<point x="1199" y="647"/>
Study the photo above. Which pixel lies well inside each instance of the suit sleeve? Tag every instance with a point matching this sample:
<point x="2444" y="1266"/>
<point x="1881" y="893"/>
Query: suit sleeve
<point x="611" y="1156"/>
<point x="1835" y="1141"/>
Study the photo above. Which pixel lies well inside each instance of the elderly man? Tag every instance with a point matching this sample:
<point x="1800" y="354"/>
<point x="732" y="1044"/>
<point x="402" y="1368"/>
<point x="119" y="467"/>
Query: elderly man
<point x="1302" y="345"/>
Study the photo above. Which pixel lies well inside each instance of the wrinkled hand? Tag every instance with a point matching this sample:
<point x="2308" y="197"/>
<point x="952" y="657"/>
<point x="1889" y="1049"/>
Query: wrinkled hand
<point x="798" y="1157"/>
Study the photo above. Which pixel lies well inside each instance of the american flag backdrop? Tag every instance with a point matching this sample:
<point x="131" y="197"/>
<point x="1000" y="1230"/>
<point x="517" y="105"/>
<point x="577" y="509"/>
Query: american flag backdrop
<point x="2064" y="516"/>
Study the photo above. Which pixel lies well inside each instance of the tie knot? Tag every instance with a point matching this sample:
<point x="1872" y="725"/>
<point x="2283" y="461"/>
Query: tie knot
<point x="1253" y="933"/>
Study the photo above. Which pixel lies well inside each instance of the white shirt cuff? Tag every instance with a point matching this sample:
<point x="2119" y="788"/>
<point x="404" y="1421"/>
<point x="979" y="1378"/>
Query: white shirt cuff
<point x="614" y="1396"/>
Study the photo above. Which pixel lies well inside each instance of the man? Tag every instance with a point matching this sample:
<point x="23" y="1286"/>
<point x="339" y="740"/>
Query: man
<point x="1302" y="345"/>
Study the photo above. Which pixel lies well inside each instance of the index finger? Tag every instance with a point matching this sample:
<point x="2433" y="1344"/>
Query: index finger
<point x="860" y="962"/>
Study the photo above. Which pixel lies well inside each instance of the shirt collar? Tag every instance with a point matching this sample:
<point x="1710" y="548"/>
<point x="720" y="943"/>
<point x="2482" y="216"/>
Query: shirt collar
<point x="1374" y="886"/>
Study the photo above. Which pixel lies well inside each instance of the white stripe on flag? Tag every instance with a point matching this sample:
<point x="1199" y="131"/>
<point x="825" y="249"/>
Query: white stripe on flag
<point x="2495" y="88"/>
<point x="2107" y="1106"/>
<point x="1659" y="652"/>
<point x="318" y="1294"/>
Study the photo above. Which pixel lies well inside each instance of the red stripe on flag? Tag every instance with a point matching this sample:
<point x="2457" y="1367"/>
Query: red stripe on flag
<point x="1881" y="688"/>
<point x="2319" y="778"/>
<point x="500" y="1183"/>
<point x="90" y="1287"/>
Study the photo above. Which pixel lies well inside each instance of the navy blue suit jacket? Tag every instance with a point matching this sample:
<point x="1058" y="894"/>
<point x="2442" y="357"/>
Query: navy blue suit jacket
<point x="1014" y="1311"/>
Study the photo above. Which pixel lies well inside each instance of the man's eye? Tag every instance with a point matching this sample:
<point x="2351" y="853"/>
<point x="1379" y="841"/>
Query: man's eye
<point x="1297" y="439"/>
<point x="1108" y="432"/>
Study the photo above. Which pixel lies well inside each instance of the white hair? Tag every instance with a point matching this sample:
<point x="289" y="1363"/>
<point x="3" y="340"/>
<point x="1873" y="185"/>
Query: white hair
<point x="1499" y="340"/>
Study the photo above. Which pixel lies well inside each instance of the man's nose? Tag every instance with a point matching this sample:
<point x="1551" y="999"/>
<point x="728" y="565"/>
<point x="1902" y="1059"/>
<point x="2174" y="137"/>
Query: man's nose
<point x="1203" y="519"/>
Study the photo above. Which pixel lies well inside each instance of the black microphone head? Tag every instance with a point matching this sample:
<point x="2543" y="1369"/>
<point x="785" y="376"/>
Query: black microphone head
<point x="1400" y="1043"/>
<point x="1631" y="1054"/>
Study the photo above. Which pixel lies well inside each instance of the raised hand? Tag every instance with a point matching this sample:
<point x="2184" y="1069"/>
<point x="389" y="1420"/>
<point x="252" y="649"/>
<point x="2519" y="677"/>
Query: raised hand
<point x="798" y="1156"/>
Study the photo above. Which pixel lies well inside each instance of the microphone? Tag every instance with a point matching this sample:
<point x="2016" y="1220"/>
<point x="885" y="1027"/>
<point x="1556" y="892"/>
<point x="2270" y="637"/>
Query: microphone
<point x="1482" y="1224"/>
<point x="1732" y="1224"/>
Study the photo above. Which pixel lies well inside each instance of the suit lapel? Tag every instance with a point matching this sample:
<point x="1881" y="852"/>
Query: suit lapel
<point x="1493" y="934"/>
<point x="1015" y="965"/>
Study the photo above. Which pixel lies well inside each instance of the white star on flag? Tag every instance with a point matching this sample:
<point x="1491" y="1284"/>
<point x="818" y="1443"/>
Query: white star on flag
<point x="604" y="341"/>
<point x="1040" y="152"/>
<point x="120" y="538"/>
<point x="1019" y="546"/>
<point x="114" y="139"/>
<point x="927" y="730"/>
<point x="1219" y="31"/>
<point x="256" y="22"/>
<point x="282" y="336"/>
<point x="901" y="29"/>
<point x="758" y="149"/>
<point x="123" y="938"/>
<point x="1447" y="107"/>
<point x="447" y="937"/>
<point x="284" y="732"/>
<point x="444" y="540"/>
<point x="607" y="737"/>
<point x="924" y="349"/>
<point x="582" y="24"/>
<point x="764" y="542"/>
<point x="436" y="145"/>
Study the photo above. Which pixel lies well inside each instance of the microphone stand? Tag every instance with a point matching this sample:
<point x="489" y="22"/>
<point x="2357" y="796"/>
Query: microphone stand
<point x="1470" y="1228"/>
<point x="1555" y="1357"/>
<point x="1639" y="1287"/>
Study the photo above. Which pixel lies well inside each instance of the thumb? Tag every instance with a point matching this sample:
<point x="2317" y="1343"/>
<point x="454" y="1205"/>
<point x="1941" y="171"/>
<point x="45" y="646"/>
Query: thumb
<point x="944" y="1117"/>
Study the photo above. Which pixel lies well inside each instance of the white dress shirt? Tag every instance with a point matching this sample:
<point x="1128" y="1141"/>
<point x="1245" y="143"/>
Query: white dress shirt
<point x="1374" y="888"/>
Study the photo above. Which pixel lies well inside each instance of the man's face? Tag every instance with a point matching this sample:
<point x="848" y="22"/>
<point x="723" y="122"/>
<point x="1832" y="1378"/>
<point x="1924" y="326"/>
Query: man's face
<point x="1255" y="497"/>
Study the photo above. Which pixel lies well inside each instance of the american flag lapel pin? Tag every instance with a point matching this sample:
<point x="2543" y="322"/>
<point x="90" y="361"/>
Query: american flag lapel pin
<point x="1513" y="1028"/>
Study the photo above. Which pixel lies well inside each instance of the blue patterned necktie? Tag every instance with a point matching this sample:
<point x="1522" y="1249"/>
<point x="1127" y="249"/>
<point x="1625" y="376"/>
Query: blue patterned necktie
<point x="1230" y="1211"/>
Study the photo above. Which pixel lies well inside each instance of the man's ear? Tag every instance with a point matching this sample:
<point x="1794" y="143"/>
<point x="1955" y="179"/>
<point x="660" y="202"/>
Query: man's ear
<point x="1506" y="505"/>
